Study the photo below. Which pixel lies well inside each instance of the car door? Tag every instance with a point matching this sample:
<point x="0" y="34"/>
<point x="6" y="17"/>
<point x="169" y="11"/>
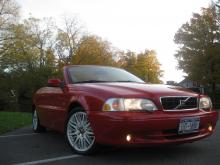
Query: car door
<point x="43" y="104"/>
<point x="57" y="104"/>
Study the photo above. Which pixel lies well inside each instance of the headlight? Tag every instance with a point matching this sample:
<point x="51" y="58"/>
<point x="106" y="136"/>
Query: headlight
<point x="122" y="104"/>
<point x="205" y="103"/>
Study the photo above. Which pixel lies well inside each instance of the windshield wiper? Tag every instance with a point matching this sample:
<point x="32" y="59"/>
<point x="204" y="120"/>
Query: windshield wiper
<point x="90" y="81"/>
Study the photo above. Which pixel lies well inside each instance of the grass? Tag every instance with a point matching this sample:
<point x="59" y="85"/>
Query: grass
<point x="12" y="120"/>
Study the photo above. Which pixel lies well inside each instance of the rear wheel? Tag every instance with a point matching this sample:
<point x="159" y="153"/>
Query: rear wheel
<point x="79" y="132"/>
<point x="36" y="123"/>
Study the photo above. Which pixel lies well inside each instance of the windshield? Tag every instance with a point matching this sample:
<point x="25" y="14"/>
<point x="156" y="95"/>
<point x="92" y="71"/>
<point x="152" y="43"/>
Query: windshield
<point x="95" y="74"/>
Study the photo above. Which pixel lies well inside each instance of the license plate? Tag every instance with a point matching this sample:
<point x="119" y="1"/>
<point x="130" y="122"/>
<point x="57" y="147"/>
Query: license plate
<point x="189" y="125"/>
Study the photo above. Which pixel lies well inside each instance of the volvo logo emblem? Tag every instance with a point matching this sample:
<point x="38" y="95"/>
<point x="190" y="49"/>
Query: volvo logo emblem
<point x="182" y="103"/>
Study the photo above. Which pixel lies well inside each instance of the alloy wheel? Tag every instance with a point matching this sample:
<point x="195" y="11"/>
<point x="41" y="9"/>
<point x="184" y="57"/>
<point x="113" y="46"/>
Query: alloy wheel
<point x="79" y="132"/>
<point x="35" y="120"/>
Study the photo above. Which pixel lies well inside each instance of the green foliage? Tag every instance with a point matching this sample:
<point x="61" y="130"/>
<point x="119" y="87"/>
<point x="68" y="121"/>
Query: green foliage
<point x="26" y="63"/>
<point x="199" y="47"/>
<point x="92" y="50"/>
<point x="13" y="120"/>
<point x="144" y="65"/>
<point x="19" y="53"/>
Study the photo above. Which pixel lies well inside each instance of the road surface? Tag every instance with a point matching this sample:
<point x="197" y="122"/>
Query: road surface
<point x="23" y="147"/>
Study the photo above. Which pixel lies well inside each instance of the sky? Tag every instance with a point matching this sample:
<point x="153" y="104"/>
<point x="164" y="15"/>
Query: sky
<point x="133" y="25"/>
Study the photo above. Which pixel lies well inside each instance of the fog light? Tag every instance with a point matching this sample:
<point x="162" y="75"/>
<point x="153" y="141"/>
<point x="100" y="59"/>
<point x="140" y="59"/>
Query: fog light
<point x="210" y="128"/>
<point x="128" y="138"/>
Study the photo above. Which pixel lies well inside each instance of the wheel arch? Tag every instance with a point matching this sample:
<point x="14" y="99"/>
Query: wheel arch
<point x="33" y="107"/>
<point x="75" y="104"/>
<point x="79" y="101"/>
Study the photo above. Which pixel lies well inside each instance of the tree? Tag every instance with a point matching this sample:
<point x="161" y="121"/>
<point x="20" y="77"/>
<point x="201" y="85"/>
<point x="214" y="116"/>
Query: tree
<point x="216" y="3"/>
<point x="41" y="32"/>
<point x="24" y="68"/>
<point x="19" y="53"/>
<point x="9" y="12"/>
<point x="199" y="47"/>
<point x="149" y="67"/>
<point x="67" y="40"/>
<point x="94" y="51"/>
<point x="128" y="61"/>
<point x="144" y="65"/>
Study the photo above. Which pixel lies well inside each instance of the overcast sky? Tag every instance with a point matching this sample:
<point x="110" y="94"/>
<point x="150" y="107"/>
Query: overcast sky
<point x="133" y="25"/>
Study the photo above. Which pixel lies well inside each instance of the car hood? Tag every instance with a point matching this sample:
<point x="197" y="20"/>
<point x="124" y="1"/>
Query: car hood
<point x="133" y="90"/>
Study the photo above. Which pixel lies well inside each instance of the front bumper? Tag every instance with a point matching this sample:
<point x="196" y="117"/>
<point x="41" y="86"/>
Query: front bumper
<point x="148" y="128"/>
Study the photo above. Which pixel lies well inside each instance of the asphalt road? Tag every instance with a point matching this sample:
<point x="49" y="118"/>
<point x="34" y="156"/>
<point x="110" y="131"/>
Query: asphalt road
<point x="26" y="148"/>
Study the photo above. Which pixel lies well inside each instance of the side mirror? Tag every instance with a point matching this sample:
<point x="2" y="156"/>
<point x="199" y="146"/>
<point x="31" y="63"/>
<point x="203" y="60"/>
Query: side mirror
<point x="54" y="82"/>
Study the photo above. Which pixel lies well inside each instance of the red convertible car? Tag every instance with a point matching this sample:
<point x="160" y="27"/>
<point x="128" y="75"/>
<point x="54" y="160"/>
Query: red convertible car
<point x="106" y="105"/>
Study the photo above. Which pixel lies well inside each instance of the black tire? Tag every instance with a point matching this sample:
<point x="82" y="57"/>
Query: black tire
<point x="36" y="126"/>
<point x="80" y="135"/>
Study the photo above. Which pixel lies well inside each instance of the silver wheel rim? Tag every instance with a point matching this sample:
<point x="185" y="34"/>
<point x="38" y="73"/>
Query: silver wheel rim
<point x="35" y="120"/>
<point x="79" y="132"/>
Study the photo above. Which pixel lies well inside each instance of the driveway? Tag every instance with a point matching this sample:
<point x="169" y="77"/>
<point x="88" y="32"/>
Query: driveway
<point x="26" y="148"/>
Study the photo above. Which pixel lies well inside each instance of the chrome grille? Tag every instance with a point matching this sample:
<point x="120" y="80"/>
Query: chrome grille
<point x="173" y="103"/>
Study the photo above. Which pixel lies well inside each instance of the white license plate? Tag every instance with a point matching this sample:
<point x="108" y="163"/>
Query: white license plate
<point x="189" y="125"/>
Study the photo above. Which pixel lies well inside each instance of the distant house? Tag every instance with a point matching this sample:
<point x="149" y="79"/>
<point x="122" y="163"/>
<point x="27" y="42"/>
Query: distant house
<point x="186" y="83"/>
<point x="171" y="83"/>
<point x="194" y="86"/>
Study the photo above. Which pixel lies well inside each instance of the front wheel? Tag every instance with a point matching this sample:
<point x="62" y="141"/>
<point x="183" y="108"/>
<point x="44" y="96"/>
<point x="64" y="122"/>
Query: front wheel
<point x="79" y="132"/>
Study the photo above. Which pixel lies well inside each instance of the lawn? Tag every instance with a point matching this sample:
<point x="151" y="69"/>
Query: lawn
<point x="13" y="120"/>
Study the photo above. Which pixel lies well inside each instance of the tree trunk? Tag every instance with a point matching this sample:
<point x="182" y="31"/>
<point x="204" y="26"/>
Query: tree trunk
<point x="213" y="88"/>
<point x="41" y="56"/>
